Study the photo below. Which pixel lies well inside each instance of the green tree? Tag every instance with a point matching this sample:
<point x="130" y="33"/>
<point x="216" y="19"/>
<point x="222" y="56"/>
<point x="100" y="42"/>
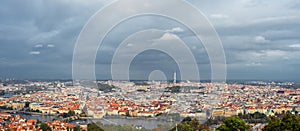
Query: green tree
<point x="187" y="119"/>
<point x="234" y="123"/>
<point x="45" y="127"/>
<point x="94" y="127"/>
<point x="77" y="128"/>
<point x="187" y="124"/>
<point x="273" y="125"/>
<point x="288" y="122"/>
<point x="71" y="113"/>
<point x="27" y="104"/>
<point x="174" y="89"/>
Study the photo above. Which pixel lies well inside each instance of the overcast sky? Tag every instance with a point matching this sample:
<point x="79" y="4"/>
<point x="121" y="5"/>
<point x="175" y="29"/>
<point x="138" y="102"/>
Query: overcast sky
<point x="261" y="39"/>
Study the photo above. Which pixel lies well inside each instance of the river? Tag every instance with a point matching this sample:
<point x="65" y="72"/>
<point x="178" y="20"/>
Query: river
<point x="146" y="123"/>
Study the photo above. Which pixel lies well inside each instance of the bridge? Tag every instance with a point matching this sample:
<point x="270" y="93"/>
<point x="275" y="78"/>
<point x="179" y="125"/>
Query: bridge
<point x="21" y="112"/>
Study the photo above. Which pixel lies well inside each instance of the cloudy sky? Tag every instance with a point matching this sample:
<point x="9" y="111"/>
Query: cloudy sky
<point x="261" y="39"/>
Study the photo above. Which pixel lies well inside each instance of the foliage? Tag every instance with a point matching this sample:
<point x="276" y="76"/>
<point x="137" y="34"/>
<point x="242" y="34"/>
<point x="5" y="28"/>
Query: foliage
<point x="94" y="127"/>
<point x="27" y="104"/>
<point x="174" y="89"/>
<point x="82" y="114"/>
<point x="37" y="110"/>
<point x="187" y="124"/>
<point x="254" y="118"/>
<point x="77" y="128"/>
<point x="218" y="120"/>
<point x="187" y="119"/>
<point x="234" y="123"/>
<point x="141" y="90"/>
<point x="141" y="83"/>
<point x="6" y="108"/>
<point x="202" y="87"/>
<point x="105" y="87"/>
<point x="70" y="113"/>
<point x="288" y="122"/>
<point x="45" y="127"/>
<point x="2" y="92"/>
<point x="108" y="127"/>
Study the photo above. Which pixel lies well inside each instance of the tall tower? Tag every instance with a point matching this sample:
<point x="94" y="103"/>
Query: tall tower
<point x="174" y="77"/>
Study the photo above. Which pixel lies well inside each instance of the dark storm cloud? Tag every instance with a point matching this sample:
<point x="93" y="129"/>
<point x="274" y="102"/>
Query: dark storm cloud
<point x="259" y="37"/>
<point x="39" y="36"/>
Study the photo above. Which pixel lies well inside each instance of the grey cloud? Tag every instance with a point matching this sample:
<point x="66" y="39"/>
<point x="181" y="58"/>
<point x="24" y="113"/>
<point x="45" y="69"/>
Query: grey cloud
<point x="51" y="28"/>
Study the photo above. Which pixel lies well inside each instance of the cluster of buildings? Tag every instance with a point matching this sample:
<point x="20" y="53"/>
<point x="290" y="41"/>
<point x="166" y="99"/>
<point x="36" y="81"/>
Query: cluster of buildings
<point x="147" y="100"/>
<point x="201" y="100"/>
<point x="46" y="102"/>
<point x="61" y="126"/>
<point x="98" y="107"/>
<point x="150" y="99"/>
<point x="57" y="100"/>
<point x="18" y="123"/>
<point x="269" y="100"/>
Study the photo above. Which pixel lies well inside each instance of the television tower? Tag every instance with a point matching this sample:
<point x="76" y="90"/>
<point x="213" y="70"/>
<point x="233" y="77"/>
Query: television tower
<point x="174" y="77"/>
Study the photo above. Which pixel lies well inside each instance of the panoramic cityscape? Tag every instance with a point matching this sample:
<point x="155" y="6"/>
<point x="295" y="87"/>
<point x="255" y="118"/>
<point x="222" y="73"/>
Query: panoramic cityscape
<point x="145" y="105"/>
<point x="150" y="65"/>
